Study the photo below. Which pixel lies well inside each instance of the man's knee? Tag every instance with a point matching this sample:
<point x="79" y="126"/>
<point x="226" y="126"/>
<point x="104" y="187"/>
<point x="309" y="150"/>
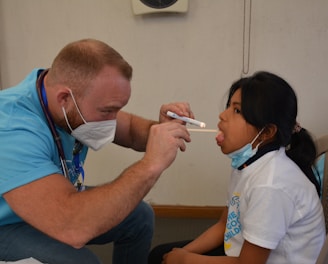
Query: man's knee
<point x="145" y="217"/>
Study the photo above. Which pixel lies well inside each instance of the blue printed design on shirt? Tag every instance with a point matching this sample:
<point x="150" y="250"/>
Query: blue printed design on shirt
<point x="233" y="226"/>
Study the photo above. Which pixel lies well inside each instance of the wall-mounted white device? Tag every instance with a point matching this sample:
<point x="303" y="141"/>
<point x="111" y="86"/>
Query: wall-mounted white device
<point x="141" y="7"/>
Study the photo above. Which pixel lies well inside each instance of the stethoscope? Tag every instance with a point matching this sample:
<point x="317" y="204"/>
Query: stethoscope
<point x="77" y="147"/>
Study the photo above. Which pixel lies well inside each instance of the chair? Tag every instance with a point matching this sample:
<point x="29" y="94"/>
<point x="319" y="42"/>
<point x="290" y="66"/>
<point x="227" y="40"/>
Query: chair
<point x="323" y="256"/>
<point x="322" y="148"/>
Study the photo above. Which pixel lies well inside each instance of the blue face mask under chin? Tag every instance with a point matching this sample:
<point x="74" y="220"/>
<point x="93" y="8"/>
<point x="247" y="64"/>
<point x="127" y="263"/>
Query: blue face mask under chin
<point x="240" y="156"/>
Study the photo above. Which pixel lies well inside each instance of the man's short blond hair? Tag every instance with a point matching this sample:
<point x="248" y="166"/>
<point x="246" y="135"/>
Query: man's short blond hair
<point x="79" y="62"/>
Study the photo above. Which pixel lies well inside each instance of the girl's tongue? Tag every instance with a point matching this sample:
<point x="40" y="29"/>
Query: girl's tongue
<point x="219" y="138"/>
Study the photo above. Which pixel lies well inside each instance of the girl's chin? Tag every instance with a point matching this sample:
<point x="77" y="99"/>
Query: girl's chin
<point x="224" y="151"/>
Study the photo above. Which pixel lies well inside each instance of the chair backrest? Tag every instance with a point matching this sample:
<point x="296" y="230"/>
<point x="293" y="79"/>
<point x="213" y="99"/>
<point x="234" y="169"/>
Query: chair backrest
<point x="323" y="256"/>
<point x="322" y="148"/>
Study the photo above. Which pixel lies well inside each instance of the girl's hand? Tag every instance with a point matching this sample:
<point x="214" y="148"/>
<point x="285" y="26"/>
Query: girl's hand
<point x="176" y="256"/>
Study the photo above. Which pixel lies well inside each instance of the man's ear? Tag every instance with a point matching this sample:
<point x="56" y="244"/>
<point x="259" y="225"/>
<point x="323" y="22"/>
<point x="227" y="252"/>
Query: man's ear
<point x="62" y="96"/>
<point x="269" y="133"/>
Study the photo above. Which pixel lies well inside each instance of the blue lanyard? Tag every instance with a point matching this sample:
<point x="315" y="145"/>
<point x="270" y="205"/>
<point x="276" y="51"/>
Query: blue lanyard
<point x="78" y="165"/>
<point x="77" y="147"/>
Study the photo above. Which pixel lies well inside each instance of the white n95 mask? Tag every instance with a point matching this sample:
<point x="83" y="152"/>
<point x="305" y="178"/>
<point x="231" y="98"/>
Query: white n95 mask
<point x="92" y="134"/>
<point x="95" y="134"/>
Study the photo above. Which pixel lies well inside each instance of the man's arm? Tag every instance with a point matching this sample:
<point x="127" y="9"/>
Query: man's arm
<point x="53" y="206"/>
<point x="132" y="131"/>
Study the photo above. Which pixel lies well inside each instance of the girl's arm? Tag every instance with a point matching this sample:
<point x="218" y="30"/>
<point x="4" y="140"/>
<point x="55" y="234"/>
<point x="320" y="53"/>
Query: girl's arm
<point x="250" y="253"/>
<point x="210" y="239"/>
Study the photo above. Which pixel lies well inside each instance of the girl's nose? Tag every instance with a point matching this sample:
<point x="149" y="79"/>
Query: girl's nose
<point x="222" y="115"/>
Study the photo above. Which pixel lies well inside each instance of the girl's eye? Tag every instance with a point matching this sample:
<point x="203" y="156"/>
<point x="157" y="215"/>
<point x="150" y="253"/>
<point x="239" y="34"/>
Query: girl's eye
<point x="237" y="111"/>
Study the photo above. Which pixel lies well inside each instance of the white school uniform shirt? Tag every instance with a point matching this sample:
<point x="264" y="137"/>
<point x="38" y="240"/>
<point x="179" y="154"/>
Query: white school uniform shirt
<point x="272" y="204"/>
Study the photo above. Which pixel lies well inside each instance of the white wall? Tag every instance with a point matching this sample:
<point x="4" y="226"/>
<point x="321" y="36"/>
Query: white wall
<point x="190" y="57"/>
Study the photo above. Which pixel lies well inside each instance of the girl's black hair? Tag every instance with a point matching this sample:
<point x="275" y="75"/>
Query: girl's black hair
<point x="268" y="99"/>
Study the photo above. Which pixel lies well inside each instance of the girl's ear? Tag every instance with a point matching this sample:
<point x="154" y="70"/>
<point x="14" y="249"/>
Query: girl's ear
<point x="269" y="132"/>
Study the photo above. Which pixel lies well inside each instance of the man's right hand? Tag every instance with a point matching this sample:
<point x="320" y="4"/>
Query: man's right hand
<point x="163" y="143"/>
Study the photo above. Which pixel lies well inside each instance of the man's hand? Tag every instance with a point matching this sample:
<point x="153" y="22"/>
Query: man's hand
<point x="180" y="108"/>
<point x="163" y="143"/>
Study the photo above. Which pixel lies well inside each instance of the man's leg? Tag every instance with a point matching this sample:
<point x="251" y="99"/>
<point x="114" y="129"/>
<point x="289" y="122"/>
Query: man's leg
<point x="20" y="241"/>
<point x="132" y="241"/>
<point x="132" y="238"/>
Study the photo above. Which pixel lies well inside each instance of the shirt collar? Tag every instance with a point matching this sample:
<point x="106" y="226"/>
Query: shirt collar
<point x="262" y="150"/>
